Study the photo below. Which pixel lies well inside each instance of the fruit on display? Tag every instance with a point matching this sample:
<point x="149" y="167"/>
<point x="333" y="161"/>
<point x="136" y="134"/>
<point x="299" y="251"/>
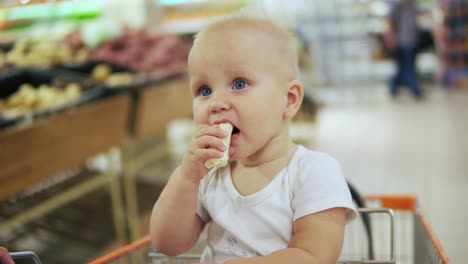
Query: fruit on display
<point x="137" y="50"/>
<point x="28" y="99"/>
<point x="140" y="51"/>
<point x="74" y="42"/>
<point x="102" y="73"/>
<point x="142" y="56"/>
<point x="43" y="53"/>
<point x="119" y="79"/>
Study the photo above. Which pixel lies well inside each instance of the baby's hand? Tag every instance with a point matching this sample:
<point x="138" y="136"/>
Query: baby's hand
<point x="5" y="257"/>
<point x="207" y="143"/>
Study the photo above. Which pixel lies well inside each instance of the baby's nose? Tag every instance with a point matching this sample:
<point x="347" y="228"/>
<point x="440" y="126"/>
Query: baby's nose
<point x="217" y="106"/>
<point x="219" y="103"/>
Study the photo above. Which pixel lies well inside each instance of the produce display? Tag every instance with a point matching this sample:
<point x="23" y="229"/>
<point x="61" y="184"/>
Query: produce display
<point x="29" y="99"/>
<point x="44" y="53"/>
<point x="137" y="50"/>
<point x="40" y="92"/>
<point x="126" y="61"/>
<point x="140" y="51"/>
<point x="103" y="74"/>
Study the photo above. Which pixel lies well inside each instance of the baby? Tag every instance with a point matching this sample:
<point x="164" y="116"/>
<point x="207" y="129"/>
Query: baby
<point x="274" y="201"/>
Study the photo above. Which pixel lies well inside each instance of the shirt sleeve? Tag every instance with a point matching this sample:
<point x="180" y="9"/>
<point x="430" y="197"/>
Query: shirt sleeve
<point x="320" y="185"/>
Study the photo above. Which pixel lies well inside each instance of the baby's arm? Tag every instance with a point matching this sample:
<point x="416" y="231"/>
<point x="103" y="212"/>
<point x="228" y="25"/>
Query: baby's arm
<point x="317" y="238"/>
<point x="175" y="225"/>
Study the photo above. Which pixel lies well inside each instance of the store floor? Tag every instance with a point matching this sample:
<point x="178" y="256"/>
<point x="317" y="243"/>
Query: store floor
<point x="404" y="146"/>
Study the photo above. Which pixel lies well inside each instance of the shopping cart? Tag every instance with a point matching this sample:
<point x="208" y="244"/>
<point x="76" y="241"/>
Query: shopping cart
<point x="25" y="257"/>
<point x="397" y="233"/>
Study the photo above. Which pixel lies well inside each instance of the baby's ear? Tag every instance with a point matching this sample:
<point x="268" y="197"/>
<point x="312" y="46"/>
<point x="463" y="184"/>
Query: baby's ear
<point x="294" y="99"/>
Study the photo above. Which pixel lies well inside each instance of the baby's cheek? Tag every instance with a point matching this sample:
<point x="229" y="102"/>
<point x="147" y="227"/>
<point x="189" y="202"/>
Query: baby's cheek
<point x="198" y="120"/>
<point x="200" y="115"/>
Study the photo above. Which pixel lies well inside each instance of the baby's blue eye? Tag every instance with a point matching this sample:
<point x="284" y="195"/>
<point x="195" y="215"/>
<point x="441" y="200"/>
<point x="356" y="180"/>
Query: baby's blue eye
<point x="205" y="91"/>
<point x="240" y="84"/>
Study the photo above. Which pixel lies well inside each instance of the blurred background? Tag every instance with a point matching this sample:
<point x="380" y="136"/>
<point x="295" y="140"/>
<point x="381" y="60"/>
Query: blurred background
<point x="95" y="111"/>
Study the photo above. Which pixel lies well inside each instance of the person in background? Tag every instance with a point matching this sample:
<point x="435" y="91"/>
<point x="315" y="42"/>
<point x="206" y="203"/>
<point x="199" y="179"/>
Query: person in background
<point x="5" y="257"/>
<point x="274" y="201"/>
<point x="402" y="38"/>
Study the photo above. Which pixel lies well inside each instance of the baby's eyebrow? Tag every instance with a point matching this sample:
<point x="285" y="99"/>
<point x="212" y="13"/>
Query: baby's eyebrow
<point x="236" y="73"/>
<point x="195" y="84"/>
<point x="197" y="79"/>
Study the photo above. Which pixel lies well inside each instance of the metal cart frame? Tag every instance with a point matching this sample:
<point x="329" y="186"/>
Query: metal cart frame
<point x="25" y="255"/>
<point x="426" y="247"/>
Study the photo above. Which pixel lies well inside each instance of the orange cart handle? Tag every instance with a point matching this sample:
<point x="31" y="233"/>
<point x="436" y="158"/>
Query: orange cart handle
<point x="437" y="246"/>
<point x="395" y="202"/>
<point x="122" y="251"/>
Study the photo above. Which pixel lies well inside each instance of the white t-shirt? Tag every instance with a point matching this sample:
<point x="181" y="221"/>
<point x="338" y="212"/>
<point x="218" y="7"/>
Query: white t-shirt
<point x="261" y="223"/>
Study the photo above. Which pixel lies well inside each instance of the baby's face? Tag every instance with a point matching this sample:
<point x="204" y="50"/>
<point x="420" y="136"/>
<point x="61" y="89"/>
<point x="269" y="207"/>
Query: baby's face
<point x="239" y="78"/>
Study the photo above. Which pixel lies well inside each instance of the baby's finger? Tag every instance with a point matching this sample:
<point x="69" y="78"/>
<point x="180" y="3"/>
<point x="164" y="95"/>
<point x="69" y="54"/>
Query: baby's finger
<point x="206" y="142"/>
<point x="210" y="131"/>
<point x="206" y="154"/>
<point x="5" y="257"/>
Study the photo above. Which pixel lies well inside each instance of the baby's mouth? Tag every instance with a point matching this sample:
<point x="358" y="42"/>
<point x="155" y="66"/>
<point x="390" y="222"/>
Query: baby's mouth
<point x="235" y="131"/>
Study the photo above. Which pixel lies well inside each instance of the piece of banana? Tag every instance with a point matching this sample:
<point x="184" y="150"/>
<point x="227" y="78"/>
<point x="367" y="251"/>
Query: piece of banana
<point x="221" y="162"/>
